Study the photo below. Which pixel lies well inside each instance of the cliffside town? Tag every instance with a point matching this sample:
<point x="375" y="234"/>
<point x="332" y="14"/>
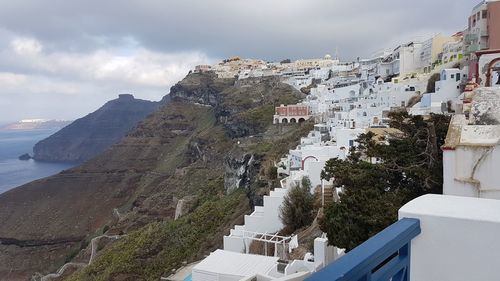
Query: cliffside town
<point x="196" y="190"/>
<point x="456" y="75"/>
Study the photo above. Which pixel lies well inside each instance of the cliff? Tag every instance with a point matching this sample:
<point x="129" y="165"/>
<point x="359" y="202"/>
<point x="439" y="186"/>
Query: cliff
<point x="94" y="133"/>
<point x="192" y="155"/>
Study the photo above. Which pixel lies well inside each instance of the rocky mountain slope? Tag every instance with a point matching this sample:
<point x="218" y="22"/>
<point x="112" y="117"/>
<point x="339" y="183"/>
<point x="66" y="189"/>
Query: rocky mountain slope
<point x="206" y="157"/>
<point x="94" y="133"/>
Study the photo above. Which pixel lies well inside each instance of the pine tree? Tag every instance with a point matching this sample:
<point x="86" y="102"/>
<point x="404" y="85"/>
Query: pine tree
<point x="298" y="206"/>
<point x="410" y="165"/>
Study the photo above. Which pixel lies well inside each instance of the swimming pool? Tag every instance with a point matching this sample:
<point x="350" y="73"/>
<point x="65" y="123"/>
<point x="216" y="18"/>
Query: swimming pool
<point x="189" y="277"/>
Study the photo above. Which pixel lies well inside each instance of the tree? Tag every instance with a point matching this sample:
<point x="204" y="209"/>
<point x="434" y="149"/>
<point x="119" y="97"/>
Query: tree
<point x="410" y="166"/>
<point x="359" y="215"/>
<point x="298" y="206"/>
<point x="431" y="83"/>
<point x="272" y="173"/>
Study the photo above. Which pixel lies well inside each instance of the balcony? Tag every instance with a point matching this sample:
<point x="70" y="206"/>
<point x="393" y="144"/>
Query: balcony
<point x="470" y="37"/>
<point x="472" y="48"/>
<point x="438" y="237"/>
<point x="382" y="257"/>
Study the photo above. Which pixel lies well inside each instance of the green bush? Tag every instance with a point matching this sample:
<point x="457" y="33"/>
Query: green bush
<point x="431" y="83"/>
<point x="298" y="206"/>
<point x="157" y="248"/>
<point x="272" y="172"/>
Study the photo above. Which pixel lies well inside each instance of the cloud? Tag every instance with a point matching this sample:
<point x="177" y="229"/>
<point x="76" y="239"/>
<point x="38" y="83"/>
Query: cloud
<point x="138" y="66"/>
<point x="26" y="46"/>
<point x="46" y="77"/>
<point x="220" y="28"/>
<point x="96" y="49"/>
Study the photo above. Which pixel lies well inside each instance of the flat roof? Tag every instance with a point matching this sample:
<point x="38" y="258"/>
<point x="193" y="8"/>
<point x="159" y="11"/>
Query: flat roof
<point x="232" y="263"/>
<point x="483" y="126"/>
<point x="467" y="208"/>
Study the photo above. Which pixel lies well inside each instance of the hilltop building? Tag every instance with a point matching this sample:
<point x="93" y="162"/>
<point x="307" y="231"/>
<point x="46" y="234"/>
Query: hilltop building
<point x="291" y="114"/>
<point x="483" y="31"/>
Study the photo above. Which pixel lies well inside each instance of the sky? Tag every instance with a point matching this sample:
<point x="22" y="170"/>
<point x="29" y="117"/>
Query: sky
<point x="63" y="59"/>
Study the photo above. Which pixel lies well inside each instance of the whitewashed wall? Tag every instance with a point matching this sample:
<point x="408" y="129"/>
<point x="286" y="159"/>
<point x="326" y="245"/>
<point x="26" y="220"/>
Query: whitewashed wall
<point x="459" y="238"/>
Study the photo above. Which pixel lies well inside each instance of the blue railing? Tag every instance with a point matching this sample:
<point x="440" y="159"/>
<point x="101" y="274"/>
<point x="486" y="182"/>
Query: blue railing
<point x="385" y="256"/>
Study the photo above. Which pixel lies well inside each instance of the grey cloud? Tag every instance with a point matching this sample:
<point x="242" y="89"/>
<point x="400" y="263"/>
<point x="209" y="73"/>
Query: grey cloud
<point x="258" y="28"/>
<point x="70" y="77"/>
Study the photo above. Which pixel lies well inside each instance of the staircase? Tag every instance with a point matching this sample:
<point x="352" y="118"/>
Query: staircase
<point x="330" y="195"/>
<point x="264" y="219"/>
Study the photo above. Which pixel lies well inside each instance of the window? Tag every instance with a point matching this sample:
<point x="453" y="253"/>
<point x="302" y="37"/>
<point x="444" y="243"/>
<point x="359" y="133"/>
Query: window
<point x="458" y="77"/>
<point x="452" y="76"/>
<point x="485" y="14"/>
<point x="351" y="143"/>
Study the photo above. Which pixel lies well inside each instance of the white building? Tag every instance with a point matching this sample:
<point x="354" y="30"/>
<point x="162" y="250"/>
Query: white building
<point x="409" y="58"/>
<point x="458" y="238"/>
<point x="405" y="60"/>
<point x="448" y="88"/>
<point x="471" y="154"/>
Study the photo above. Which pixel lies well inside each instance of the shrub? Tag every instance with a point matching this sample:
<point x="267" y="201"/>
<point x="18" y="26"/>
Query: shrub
<point x="297" y="209"/>
<point x="272" y="172"/>
<point x="431" y="84"/>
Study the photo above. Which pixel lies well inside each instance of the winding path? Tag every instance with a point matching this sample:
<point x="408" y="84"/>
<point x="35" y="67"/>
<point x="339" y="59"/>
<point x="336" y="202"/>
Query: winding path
<point x="93" y="252"/>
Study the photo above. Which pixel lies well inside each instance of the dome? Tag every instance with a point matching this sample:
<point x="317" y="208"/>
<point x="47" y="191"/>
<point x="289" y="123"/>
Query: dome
<point x="328" y="57"/>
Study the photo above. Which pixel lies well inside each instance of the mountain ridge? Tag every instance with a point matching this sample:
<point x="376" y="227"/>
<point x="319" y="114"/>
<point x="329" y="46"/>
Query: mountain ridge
<point x="90" y="135"/>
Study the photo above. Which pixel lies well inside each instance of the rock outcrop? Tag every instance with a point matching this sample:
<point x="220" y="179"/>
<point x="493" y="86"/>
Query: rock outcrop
<point x="24" y="157"/>
<point x="96" y="132"/>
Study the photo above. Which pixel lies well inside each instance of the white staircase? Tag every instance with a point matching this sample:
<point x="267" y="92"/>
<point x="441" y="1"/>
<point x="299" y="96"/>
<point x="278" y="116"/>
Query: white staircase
<point x="264" y="219"/>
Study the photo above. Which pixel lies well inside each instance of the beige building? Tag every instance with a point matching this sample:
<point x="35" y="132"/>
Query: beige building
<point x="432" y="48"/>
<point x="305" y="64"/>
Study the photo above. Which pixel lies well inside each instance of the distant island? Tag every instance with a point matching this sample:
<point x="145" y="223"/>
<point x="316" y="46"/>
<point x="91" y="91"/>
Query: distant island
<point x="92" y="134"/>
<point x="36" y="124"/>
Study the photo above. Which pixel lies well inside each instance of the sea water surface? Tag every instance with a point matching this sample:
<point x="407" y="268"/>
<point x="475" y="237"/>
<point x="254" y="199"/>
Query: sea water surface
<point x="15" y="172"/>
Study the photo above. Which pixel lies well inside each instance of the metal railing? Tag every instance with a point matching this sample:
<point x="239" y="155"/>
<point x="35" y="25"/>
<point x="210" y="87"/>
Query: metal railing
<point x="385" y="256"/>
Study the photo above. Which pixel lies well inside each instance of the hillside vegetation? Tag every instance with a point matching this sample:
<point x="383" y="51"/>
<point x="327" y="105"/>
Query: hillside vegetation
<point x="210" y="148"/>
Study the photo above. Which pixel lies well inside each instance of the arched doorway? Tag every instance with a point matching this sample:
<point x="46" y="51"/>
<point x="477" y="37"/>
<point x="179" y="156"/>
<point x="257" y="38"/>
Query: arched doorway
<point x="495" y="75"/>
<point x="493" y="68"/>
<point x="308" y="157"/>
<point x="301" y="120"/>
<point x="293" y="120"/>
<point x="284" y="120"/>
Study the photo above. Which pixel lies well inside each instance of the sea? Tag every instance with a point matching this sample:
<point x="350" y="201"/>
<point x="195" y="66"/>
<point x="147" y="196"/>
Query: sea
<point x="15" y="172"/>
